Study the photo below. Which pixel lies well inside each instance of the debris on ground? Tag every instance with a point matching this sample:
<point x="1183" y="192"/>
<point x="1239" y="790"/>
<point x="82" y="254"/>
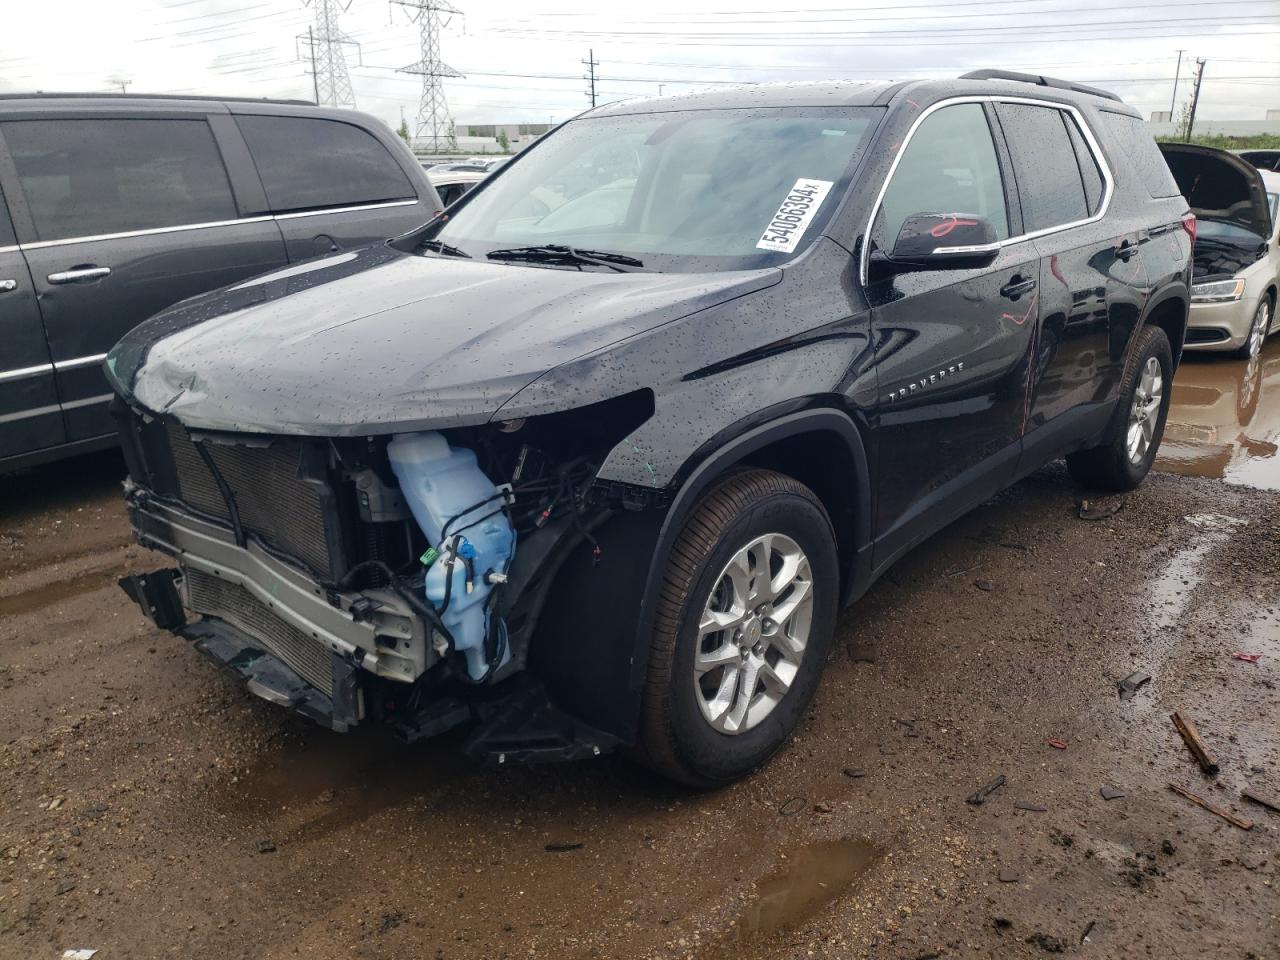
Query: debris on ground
<point x="1226" y="815"/>
<point x="1088" y="930"/>
<point x="1167" y="847"/>
<point x="862" y="653"/>
<point x="1270" y="803"/>
<point x="1248" y="657"/>
<point x="979" y="797"/>
<point x="1030" y="807"/>
<point x="1100" y="509"/>
<point x="1214" y="521"/>
<point x="854" y="773"/>
<point x="1008" y="876"/>
<point x="1195" y="743"/>
<point x="821" y="807"/>
<point x="1111" y="793"/>
<point x="1129" y="685"/>
<point x="792" y="806"/>
<point x="1058" y="744"/>
<point x="1048" y="943"/>
<point x="266" y="846"/>
<point x="81" y="953"/>
<point x="564" y="847"/>
<point x="982" y="583"/>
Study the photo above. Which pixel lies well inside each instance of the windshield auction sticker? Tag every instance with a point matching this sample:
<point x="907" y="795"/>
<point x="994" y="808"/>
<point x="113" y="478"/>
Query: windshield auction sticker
<point x="793" y="217"/>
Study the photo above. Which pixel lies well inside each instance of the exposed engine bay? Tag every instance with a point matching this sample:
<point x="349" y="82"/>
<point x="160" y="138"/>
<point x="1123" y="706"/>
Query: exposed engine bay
<point x="397" y="577"/>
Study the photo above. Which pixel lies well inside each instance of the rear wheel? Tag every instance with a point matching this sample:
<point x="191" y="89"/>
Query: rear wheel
<point x="1124" y="458"/>
<point x="744" y="623"/>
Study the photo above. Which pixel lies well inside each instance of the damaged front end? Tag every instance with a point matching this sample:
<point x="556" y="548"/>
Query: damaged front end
<point x="399" y="579"/>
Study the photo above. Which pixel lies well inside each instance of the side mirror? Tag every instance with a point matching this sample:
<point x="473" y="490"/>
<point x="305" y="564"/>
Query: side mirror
<point x="942" y="241"/>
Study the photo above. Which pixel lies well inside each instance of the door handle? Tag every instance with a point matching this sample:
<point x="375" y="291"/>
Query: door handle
<point x="1017" y="286"/>
<point x="1126" y="250"/>
<point x="7" y="285"/>
<point x="79" y="273"/>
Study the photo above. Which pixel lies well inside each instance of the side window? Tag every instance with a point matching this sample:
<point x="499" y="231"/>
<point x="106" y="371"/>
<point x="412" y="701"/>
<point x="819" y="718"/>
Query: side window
<point x="7" y="238"/>
<point x="949" y="166"/>
<point x="1044" y="162"/>
<point x="83" y="178"/>
<point x="1090" y="174"/>
<point x="1131" y="137"/>
<point x="307" y="163"/>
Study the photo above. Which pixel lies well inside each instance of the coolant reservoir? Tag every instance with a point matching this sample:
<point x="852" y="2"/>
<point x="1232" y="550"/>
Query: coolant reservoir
<point x="443" y="485"/>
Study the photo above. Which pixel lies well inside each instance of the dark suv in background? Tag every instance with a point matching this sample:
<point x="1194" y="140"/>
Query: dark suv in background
<point x="112" y="208"/>
<point x="594" y="461"/>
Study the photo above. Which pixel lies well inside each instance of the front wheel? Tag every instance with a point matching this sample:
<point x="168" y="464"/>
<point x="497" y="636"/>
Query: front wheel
<point x="744" y="622"/>
<point x="1123" y="459"/>
<point x="1258" y="330"/>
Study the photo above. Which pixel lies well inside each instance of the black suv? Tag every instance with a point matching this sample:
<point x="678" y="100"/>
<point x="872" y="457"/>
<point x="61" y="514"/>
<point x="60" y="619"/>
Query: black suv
<point x="112" y="208"/>
<point x="594" y="459"/>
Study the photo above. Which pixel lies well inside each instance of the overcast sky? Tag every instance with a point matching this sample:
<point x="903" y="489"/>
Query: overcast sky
<point x="522" y="58"/>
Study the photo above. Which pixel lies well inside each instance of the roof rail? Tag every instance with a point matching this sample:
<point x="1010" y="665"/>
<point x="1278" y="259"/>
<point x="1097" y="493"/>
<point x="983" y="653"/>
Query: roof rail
<point x="1040" y="81"/>
<point x="71" y="95"/>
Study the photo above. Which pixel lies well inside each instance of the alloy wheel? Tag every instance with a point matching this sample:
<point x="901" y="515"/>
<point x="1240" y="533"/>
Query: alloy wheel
<point x="753" y="633"/>
<point x="1144" y="412"/>
<point x="1261" y="327"/>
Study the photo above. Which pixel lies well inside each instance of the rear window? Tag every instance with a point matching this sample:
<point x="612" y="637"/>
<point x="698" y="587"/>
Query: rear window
<point x="1129" y="135"/>
<point x="1044" y="160"/>
<point x="307" y="163"/>
<point x="84" y="178"/>
<point x="1090" y="175"/>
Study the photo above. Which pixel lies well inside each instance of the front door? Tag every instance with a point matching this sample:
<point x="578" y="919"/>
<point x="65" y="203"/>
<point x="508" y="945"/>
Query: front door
<point x="30" y="418"/>
<point x="125" y="217"/>
<point x="953" y="345"/>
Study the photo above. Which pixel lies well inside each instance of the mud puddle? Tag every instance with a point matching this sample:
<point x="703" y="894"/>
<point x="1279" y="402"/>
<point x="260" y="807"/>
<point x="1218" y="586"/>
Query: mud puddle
<point x="1224" y="420"/>
<point x="51" y="593"/>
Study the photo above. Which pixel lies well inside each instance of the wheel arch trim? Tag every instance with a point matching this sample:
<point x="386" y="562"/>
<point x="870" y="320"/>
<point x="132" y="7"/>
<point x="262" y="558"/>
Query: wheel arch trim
<point x="723" y="454"/>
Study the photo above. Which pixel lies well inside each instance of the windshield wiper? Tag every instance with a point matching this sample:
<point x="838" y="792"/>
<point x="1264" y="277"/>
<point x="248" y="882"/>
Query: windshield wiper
<point x="556" y="253"/>
<point x="439" y="246"/>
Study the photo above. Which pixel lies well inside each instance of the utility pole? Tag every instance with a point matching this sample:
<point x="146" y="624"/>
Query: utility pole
<point x="591" y="63"/>
<point x="434" y="121"/>
<point x="1173" y="101"/>
<point x="315" y="80"/>
<point x="1195" y="96"/>
<point x="325" y="47"/>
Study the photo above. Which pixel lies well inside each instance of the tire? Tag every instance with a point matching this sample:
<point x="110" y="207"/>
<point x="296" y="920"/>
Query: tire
<point x="1259" y="330"/>
<point x="1110" y="465"/>
<point x="682" y="737"/>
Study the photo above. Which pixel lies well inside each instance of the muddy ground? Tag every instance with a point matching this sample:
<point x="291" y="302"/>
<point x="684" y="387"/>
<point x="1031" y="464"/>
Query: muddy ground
<point x="150" y="807"/>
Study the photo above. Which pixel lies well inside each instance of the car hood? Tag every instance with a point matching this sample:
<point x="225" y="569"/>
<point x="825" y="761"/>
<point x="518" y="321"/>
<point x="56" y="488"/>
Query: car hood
<point x="381" y="341"/>
<point x="1220" y="186"/>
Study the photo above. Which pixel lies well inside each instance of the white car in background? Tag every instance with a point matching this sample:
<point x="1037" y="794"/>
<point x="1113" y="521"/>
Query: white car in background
<point x="451" y="184"/>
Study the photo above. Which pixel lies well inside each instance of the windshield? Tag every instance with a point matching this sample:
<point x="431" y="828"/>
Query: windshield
<point x="681" y="191"/>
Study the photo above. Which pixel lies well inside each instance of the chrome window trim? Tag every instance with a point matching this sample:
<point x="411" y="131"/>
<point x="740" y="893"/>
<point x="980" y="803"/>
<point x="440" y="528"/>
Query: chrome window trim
<point x="87" y="401"/>
<point x="154" y="231"/>
<point x="21" y="373"/>
<point x="364" y="206"/>
<point x="1095" y="148"/>
<point x="13" y="249"/>
<point x="28" y="414"/>
<point x="78" y="362"/>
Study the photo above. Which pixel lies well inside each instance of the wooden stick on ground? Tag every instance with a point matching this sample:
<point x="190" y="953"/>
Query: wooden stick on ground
<point x="1261" y="800"/>
<point x="1226" y="815"/>
<point x="1195" y="744"/>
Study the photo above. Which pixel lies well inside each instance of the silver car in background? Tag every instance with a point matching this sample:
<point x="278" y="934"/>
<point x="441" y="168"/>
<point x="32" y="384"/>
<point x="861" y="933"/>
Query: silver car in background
<point x="1236" y="269"/>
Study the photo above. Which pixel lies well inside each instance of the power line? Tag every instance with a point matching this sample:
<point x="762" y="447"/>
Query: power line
<point x="331" y="80"/>
<point x="433" y="109"/>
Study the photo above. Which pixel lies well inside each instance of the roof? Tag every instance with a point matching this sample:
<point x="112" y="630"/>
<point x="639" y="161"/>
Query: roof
<point x="857" y="93"/>
<point x="135" y="97"/>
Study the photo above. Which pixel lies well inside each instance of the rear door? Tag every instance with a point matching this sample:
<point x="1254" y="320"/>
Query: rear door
<point x="30" y="418"/>
<point x="119" y="217"/>
<point x="952" y="344"/>
<point x="1093" y="285"/>
<point x="332" y="184"/>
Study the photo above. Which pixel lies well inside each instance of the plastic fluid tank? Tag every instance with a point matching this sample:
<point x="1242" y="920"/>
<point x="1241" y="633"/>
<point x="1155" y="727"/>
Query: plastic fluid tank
<point x="441" y="483"/>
